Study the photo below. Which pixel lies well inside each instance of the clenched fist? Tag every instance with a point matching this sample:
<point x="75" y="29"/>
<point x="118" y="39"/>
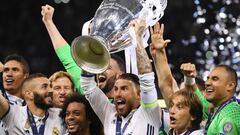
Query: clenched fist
<point x="47" y="13"/>
<point x="188" y="70"/>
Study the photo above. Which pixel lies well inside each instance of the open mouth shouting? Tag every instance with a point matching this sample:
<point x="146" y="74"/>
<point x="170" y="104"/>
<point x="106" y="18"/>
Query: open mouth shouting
<point x="209" y="90"/>
<point x="102" y="80"/>
<point x="9" y="81"/>
<point x="172" y="120"/>
<point x="62" y="98"/>
<point x="120" y="104"/>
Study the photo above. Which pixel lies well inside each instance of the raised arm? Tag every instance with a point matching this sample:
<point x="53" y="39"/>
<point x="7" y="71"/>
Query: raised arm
<point x="190" y="73"/>
<point x="143" y="61"/>
<point x="97" y="99"/>
<point x="4" y="105"/>
<point x="146" y="75"/>
<point x="61" y="47"/>
<point x="166" y="81"/>
<point x="1" y="81"/>
<point x="56" y="38"/>
<point x="1" y="67"/>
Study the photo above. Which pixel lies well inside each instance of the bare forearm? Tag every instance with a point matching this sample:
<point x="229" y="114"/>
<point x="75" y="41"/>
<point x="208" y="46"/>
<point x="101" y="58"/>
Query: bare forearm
<point x="162" y="67"/>
<point x="56" y="38"/>
<point x="143" y="61"/>
<point x="3" y="105"/>
<point x="166" y="81"/>
<point x="191" y="87"/>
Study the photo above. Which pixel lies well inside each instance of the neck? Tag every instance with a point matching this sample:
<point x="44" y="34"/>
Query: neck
<point x="180" y="131"/>
<point x="57" y="106"/>
<point x="131" y="111"/>
<point x="220" y="102"/>
<point x="16" y="93"/>
<point x="35" y="110"/>
<point x="85" y="131"/>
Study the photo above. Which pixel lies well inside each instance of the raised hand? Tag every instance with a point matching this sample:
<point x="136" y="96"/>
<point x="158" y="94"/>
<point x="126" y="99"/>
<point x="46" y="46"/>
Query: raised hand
<point x="1" y="67"/>
<point x="143" y="61"/>
<point x="47" y="13"/>
<point x="158" y="43"/>
<point x="139" y="26"/>
<point x="188" y="70"/>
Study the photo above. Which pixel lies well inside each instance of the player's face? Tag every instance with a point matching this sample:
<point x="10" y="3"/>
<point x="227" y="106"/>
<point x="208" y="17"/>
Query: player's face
<point x="180" y="117"/>
<point x="107" y="79"/>
<point x="126" y="96"/>
<point x="13" y="76"/>
<point x="62" y="87"/>
<point x="217" y="84"/>
<point x="42" y="93"/>
<point x="76" y="118"/>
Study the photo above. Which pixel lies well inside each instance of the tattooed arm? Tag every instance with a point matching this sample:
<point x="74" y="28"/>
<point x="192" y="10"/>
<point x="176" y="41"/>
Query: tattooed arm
<point x="143" y="61"/>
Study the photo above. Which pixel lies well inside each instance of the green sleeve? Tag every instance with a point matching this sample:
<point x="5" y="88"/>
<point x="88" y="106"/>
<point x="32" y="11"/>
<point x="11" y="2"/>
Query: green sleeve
<point x="64" y="54"/>
<point x="204" y="102"/>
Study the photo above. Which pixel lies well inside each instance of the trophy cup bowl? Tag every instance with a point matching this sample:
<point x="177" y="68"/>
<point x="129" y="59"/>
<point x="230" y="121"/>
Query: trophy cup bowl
<point x="92" y="56"/>
<point x="109" y="33"/>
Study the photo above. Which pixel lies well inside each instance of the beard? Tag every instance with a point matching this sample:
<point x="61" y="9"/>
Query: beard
<point x="40" y="102"/>
<point x="109" y="85"/>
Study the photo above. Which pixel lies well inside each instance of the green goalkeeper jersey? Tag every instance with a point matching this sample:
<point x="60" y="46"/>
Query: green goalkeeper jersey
<point x="226" y="120"/>
<point x="64" y="54"/>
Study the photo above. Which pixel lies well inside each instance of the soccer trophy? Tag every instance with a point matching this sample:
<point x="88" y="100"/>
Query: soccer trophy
<point x="109" y="31"/>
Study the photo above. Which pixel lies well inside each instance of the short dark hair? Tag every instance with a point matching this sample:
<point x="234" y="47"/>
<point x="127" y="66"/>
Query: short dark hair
<point x="131" y="77"/>
<point x="19" y="59"/>
<point x="231" y="72"/>
<point x="31" y="77"/>
<point x="95" y="123"/>
<point x="193" y="102"/>
<point x="120" y="62"/>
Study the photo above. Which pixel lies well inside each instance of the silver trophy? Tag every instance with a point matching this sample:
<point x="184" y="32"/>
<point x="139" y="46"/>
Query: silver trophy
<point x="109" y="31"/>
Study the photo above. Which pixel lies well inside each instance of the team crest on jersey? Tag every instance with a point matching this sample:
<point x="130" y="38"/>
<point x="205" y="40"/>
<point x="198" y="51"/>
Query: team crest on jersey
<point x="227" y="127"/>
<point x="55" y="131"/>
<point x="27" y="124"/>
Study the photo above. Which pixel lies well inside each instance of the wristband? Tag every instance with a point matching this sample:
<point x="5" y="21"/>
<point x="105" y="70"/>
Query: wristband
<point x="189" y="80"/>
<point x="86" y="74"/>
